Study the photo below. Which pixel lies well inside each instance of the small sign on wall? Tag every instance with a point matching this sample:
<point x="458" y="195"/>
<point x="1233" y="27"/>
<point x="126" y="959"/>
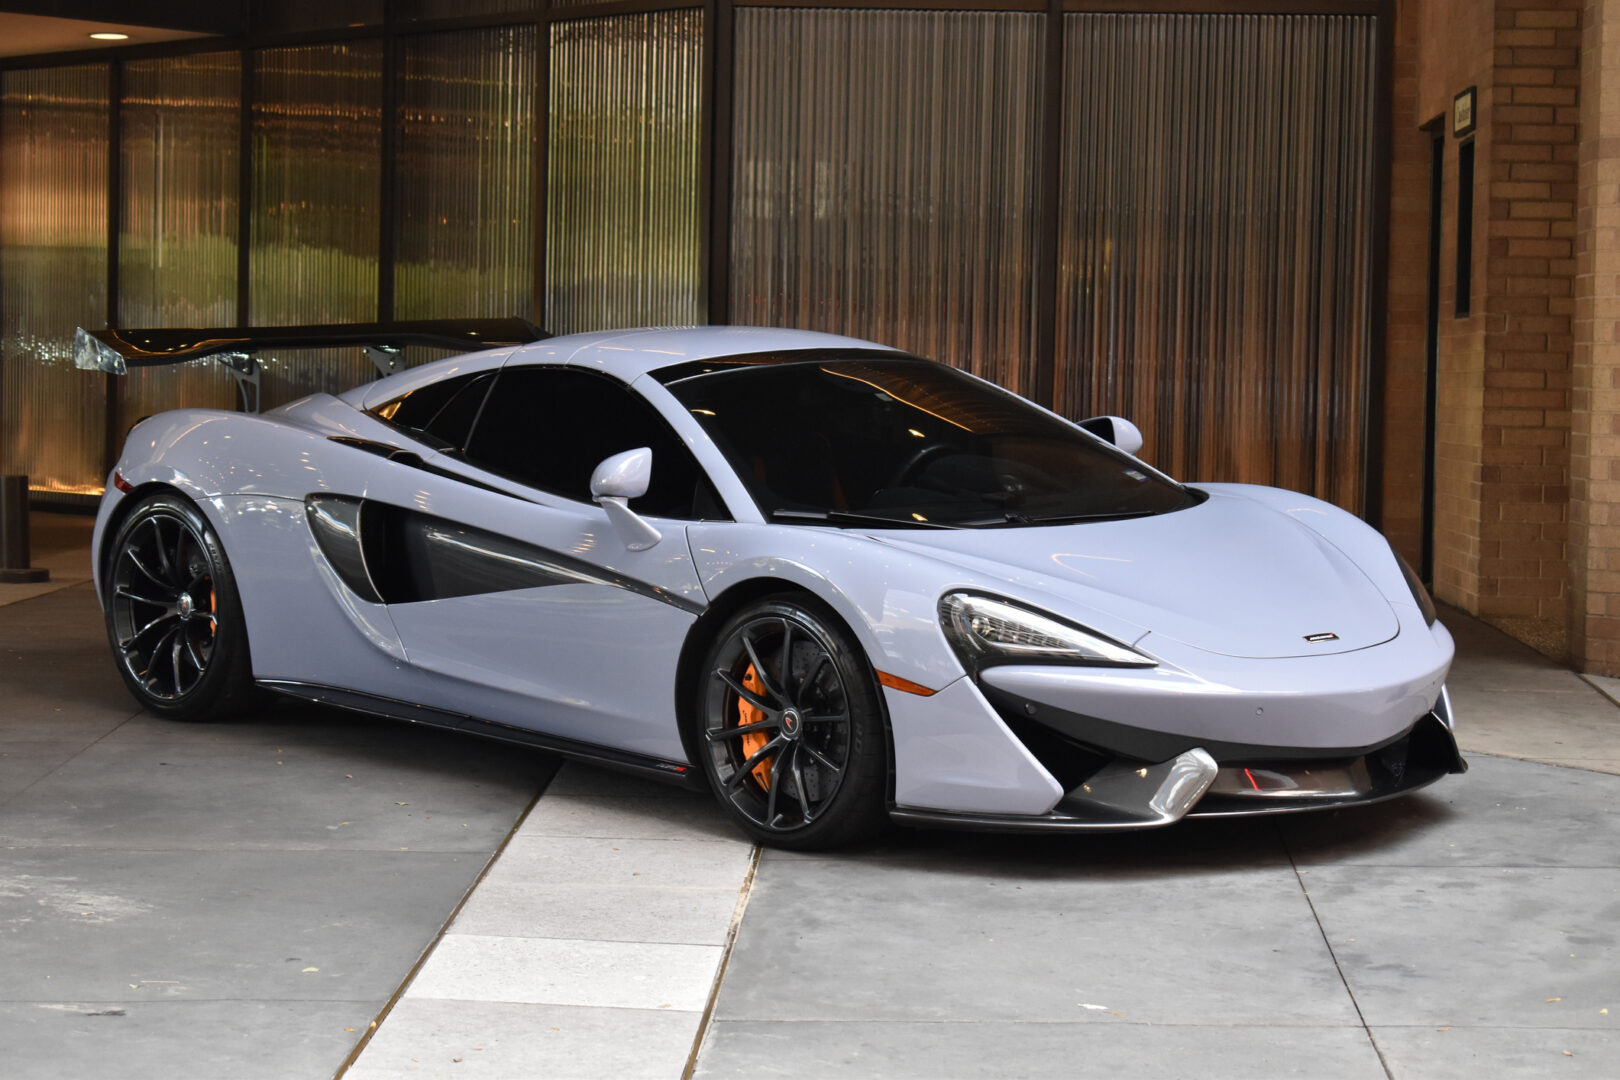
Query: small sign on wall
<point x="1462" y="113"/>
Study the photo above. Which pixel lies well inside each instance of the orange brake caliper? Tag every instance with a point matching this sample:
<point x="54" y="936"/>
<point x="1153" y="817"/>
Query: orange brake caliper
<point x="748" y="714"/>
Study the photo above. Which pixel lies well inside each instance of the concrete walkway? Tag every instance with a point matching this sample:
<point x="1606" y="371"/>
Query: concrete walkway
<point x="225" y="901"/>
<point x="623" y="930"/>
<point x="591" y="948"/>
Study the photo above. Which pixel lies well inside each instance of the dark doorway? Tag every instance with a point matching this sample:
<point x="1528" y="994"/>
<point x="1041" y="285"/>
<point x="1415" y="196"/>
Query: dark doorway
<point x="1431" y="364"/>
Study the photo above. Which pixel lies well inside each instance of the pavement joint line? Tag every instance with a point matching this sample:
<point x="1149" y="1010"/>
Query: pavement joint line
<point x="1299" y="878"/>
<point x="410" y="976"/>
<point x="706" y="1021"/>
<point x="1559" y="763"/>
<point x="1220" y="1025"/>
<point x="1607" y="692"/>
<point x="75" y="756"/>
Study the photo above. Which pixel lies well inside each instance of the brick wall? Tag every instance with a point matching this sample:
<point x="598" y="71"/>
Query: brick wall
<point x="1528" y="300"/>
<point x="1594" y="521"/>
<point x="1502" y="469"/>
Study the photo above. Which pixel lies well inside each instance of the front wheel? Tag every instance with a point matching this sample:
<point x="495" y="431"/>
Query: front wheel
<point x="792" y="730"/>
<point x="173" y="615"/>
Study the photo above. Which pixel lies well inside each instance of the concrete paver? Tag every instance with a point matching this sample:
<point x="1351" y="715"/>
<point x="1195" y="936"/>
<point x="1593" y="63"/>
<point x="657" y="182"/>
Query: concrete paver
<point x="650" y="815"/>
<point x="1514" y="702"/>
<point x="624" y="890"/>
<point x="408" y="789"/>
<point x="1474" y="946"/>
<point x="1456" y="1052"/>
<point x="241" y="1040"/>
<point x="996" y="1050"/>
<point x="23" y="763"/>
<point x="607" y="916"/>
<point x="549" y="971"/>
<point x="231" y="900"/>
<point x="494" y="1040"/>
<point x="1502" y="813"/>
<point x="133" y="926"/>
<point x="948" y="935"/>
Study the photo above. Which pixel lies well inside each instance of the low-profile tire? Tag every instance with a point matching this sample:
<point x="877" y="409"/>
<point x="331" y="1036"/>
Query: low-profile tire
<point x="790" y="726"/>
<point x="174" y="617"/>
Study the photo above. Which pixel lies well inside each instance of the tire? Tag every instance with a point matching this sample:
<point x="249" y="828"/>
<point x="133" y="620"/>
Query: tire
<point x="174" y="617"/>
<point x="799" y="760"/>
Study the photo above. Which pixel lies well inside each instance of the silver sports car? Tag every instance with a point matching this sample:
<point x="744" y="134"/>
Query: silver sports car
<point x="832" y="582"/>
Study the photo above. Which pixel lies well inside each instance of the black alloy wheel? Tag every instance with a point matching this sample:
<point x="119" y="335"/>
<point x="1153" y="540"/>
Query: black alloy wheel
<point x="173" y="616"/>
<point x="793" y="739"/>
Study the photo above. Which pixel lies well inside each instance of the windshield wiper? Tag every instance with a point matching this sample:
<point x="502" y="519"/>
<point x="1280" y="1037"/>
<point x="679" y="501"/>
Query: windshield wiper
<point x="857" y="519"/>
<point x="1067" y="519"/>
<point x="1015" y="517"/>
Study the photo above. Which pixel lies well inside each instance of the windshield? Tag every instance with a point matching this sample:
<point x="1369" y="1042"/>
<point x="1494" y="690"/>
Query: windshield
<point x="910" y="442"/>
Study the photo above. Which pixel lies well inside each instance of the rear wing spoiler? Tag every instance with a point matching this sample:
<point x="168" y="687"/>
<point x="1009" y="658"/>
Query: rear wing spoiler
<point x="116" y="351"/>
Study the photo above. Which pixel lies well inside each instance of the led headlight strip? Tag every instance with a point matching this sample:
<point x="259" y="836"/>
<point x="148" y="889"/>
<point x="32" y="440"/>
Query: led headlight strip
<point x="984" y="630"/>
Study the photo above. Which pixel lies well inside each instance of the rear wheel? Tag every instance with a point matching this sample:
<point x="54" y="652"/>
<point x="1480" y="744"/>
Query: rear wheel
<point x="173" y="615"/>
<point x="792" y="729"/>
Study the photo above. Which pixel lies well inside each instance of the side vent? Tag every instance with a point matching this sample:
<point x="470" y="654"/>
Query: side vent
<point x="335" y="523"/>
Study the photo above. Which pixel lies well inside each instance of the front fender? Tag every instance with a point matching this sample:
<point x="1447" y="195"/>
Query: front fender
<point x="887" y="596"/>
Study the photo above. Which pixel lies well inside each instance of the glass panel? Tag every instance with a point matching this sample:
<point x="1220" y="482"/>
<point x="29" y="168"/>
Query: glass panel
<point x="1216" y="241"/>
<point x="626" y="131"/>
<point x="177" y="245"/>
<point x="317" y="176"/>
<point x="413" y="10"/>
<point x="885" y="181"/>
<point x="465" y="149"/>
<point x="932" y="446"/>
<point x="278" y="16"/>
<point x="53" y="273"/>
<point x="550" y="428"/>
<point x="293" y="373"/>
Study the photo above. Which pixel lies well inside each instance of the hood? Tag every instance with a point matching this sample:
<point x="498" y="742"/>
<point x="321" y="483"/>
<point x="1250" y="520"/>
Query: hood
<point x="1229" y="576"/>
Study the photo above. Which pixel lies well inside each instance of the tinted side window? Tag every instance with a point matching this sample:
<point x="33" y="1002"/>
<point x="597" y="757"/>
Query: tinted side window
<point x="441" y="413"/>
<point x="550" y="428"/>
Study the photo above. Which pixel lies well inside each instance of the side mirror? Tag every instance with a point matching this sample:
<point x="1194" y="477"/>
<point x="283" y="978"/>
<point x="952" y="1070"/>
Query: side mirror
<point x="1117" y="430"/>
<point x="623" y="476"/>
<point x="614" y="483"/>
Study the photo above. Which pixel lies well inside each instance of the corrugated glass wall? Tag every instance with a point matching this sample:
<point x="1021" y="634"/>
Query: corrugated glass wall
<point x="178" y="218"/>
<point x="317" y="183"/>
<point x="1198" y="256"/>
<point x="623" y="172"/>
<point x="463" y="190"/>
<point x="885" y="180"/>
<point x="53" y="272"/>
<point x="1216" y="236"/>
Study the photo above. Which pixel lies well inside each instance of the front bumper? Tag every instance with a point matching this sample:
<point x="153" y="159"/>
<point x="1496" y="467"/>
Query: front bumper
<point x="1200" y="735"/>
<point x="1124" y="794"/>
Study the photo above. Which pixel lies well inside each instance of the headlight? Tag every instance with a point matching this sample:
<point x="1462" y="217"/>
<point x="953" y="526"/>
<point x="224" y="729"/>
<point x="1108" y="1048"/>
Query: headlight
<point x="986" y="631"/>
<point x="1420" y="595"/>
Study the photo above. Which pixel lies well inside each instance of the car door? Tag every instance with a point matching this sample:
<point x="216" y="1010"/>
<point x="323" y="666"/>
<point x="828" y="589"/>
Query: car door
<point x="512" y="590"/>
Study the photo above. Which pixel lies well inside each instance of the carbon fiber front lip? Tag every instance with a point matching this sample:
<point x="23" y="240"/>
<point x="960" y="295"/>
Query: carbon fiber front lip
<point x="1056" y="822"/>
<point x="1439" y="758"/>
